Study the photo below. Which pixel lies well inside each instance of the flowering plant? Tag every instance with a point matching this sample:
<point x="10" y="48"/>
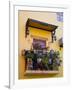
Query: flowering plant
<point x="44" y="61"/>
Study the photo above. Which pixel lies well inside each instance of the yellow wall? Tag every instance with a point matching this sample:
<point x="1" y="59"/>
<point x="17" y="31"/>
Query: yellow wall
<point x="25" y="43"/>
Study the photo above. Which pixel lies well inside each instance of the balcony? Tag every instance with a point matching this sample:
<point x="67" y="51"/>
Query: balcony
<point x="42" y="61"/>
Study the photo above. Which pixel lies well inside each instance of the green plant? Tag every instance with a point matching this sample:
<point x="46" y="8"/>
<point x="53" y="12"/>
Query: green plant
<point x="52" y="61"/>
<point x="49" y="61"/>
<point x="56" y="60"/>
<point x="29" y="54"/>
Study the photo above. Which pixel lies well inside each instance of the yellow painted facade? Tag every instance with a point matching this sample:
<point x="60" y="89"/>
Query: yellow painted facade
<point x="26" y="43"/>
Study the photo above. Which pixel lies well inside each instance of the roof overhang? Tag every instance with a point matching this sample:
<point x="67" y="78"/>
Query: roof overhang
<point x="40" y="25"/>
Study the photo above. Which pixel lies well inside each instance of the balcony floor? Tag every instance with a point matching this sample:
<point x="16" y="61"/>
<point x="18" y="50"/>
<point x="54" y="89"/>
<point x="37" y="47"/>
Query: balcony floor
<point x="41" y="72"/>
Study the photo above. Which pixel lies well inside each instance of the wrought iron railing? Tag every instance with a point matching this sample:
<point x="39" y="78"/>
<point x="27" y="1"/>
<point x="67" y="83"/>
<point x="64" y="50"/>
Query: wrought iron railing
<point x="42" y="60"/>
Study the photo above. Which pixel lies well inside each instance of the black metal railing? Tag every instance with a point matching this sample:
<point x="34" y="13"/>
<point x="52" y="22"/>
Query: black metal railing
<point x="42" y="60"/>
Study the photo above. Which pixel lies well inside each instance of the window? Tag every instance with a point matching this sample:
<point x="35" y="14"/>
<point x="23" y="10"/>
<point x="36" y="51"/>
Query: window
<point x="39" y="44"/>
<point x="60" y="16"/>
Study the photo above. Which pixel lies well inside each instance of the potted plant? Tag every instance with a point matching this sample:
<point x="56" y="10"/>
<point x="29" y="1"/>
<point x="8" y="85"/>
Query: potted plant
<point x="43" y="61"/>
<point x="28" y="59"/>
